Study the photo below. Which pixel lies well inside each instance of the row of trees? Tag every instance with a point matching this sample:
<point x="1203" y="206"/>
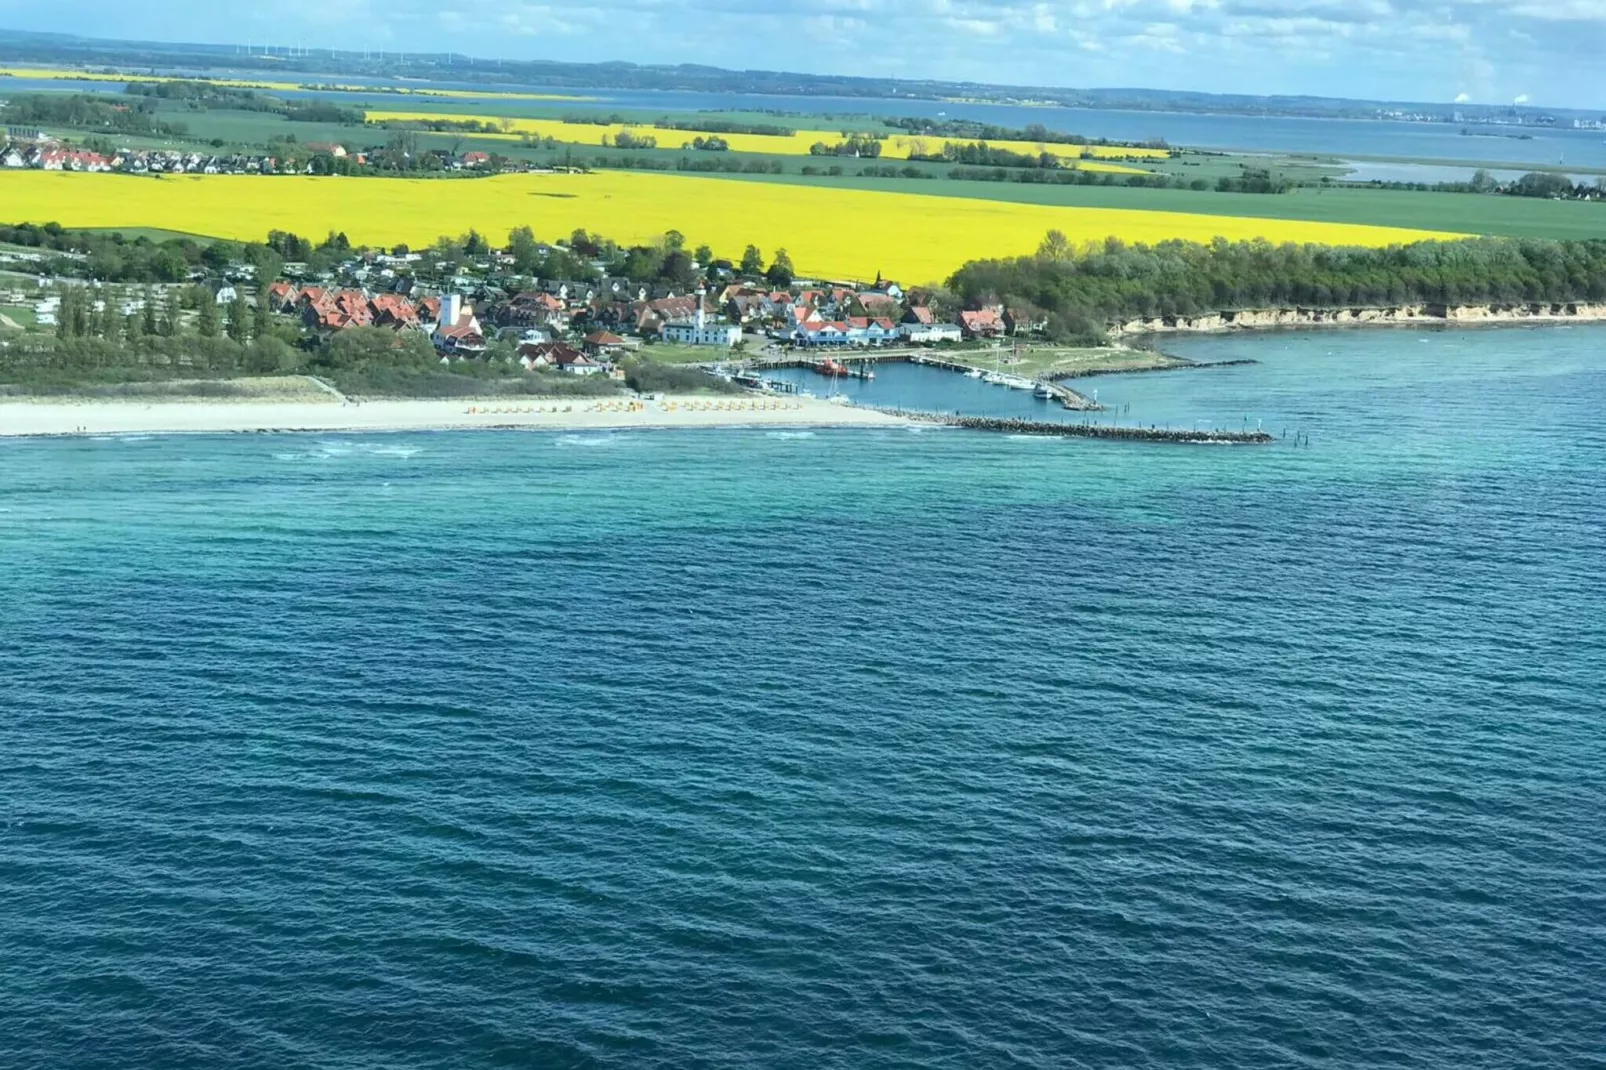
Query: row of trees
<point x="1081" y="291"/>
<point x="981" y="154"/>
<point x="625" y="139"/>
<point x="87" y="111"/>
<point x="204" y="96"/>
<point x="114" y="258"/>
<point x="1034" y="132"/>
<point x="116" y="314"/>
<point x="860" y="145"/>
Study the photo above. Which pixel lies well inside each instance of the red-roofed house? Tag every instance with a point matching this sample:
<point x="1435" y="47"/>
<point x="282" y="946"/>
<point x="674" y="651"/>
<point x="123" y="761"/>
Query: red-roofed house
<point x="604" y="344"/>
<point x="282" y="296"/>
<point x="982" y="323"/>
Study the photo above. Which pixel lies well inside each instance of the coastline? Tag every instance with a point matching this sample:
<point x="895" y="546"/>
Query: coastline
<point x="69" y="417"/>
<point x="1516" y="314"/>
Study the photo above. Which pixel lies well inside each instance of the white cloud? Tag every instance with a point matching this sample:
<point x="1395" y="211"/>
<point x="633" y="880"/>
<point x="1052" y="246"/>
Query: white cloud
<point x="1394" y="49"/>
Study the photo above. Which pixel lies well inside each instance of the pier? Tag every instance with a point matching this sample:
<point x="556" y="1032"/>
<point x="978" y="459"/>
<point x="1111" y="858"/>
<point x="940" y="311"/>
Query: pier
<point x="855" y="364"/>
<point x="1182" y="436"/>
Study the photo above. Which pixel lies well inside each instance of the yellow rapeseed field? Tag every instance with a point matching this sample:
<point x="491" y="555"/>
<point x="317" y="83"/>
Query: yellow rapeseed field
<point x="836" y="233"/>
<point x="795" y="144"/>
<point x="57" y="74"/>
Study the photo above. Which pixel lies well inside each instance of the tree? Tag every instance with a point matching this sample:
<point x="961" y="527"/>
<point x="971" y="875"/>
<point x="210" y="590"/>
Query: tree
<point x="259" y="314"/>
<point x="752" y="261"/>
<point x="358" y="346"/>
<point x="674" y="241"/>
<point x="267" y="262"/>
<point x="704" y="255"/>
<point x="1055" y="246"/>
<point x="111" y="319"/>
<point x="524" y="249"/>
<point x="239" y="318"/>
<point x="219" y="255"/>
<point x="206" y="317"/>
<point x="678" y="271"/>
<point x="148" y="325"/>
<point x="780" y="272"/>
<point x="642" y="264"/>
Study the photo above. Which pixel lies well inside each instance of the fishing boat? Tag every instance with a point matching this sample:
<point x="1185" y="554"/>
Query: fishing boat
<point x="1044" y="392"/>
<point x="974" y="373"/>
<point x="995" y="378"/>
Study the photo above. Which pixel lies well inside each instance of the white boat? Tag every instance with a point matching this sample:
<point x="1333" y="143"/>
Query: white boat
<point x="1043" y="392"/>
<point x="1019" y="382"/>
<point x="994" y="378"/>
<point x="974" y="373"/>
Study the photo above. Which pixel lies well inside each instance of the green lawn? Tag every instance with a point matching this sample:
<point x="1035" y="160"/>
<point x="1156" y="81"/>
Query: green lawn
<point x="669" y="353"/>
<point x="24" y="318"/>
<point x="153" y="234"/>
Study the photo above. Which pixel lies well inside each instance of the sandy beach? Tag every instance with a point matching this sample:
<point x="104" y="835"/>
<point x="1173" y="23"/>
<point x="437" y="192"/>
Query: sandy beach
<point x="96" y="417"/>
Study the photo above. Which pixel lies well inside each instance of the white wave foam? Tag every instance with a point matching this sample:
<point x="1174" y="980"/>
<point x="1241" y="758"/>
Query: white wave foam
<point x="789" y="434"/>
<point x="588" y="441"/>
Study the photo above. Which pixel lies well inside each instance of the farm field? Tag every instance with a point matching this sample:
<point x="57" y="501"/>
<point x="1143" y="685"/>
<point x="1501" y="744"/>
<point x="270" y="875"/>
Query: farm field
<point x="1511" y="217"/>
<point x="898" y="147"/>
<point x="837" y="233"/>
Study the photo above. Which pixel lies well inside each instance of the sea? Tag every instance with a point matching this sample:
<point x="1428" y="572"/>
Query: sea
<point x="862" y="748"/>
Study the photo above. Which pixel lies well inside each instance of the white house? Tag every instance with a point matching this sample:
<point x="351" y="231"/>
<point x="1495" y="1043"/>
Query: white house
<point x="929" y="333"/>
<point x="226" y="294"/>
<point x="699" y="332"/>
<point x="703" y="334"/>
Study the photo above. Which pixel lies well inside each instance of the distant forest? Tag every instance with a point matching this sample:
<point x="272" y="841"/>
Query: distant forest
<point x="1079" y="293"/>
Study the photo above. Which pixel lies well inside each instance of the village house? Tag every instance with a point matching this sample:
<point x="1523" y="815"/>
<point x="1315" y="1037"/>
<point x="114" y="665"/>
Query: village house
<point x="458" y="333"/>
<point x="982" y="323"/>
<point x="820" y="332"/>
<point x="700" y="331"/>
<point x="606" y="345"/>
<point x="560" y="356"/>
<point x="930" y="333"/>
<point x="874" y="304"/>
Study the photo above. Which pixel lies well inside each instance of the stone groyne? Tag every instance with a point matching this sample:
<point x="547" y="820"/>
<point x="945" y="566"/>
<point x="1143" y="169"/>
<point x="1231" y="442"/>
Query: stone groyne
<point x="1012" y="426"/>
<point x="1404" y="315"/>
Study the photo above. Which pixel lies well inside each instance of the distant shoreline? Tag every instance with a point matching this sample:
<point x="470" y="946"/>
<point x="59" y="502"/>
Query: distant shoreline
<point x="51" y="418"/>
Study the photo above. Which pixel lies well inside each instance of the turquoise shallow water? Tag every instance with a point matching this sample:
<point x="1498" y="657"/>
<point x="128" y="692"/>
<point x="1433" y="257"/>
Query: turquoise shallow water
<point x="848" y="748"/>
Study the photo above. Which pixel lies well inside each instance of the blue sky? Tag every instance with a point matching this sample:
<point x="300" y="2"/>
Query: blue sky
<point x="1551" y="52"/>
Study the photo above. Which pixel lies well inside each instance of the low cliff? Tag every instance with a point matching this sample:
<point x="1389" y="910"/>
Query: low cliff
<point x="1263" y="319"/>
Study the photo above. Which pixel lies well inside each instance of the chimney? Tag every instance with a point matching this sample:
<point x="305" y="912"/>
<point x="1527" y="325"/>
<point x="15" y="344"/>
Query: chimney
<point x="701" y="319"/>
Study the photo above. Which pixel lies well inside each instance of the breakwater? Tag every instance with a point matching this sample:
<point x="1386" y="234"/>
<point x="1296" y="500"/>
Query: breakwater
<point x="1179" y="364"/>
<point x="1187" y="436"/>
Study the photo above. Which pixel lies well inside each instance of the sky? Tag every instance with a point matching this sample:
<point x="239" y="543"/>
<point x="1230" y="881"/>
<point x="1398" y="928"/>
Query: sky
<point x="1546" y="52"/>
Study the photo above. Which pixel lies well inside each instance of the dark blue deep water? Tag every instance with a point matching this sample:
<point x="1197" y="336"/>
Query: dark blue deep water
<point x="844" y="749"/>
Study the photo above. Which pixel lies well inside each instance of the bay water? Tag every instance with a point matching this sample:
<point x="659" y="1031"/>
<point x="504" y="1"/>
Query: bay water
<point x="851" y="748"/>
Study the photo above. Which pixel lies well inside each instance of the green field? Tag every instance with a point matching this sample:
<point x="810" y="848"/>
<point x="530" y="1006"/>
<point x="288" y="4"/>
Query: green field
<point x="24" y="318"/>
<point x="1456" y="212"/>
